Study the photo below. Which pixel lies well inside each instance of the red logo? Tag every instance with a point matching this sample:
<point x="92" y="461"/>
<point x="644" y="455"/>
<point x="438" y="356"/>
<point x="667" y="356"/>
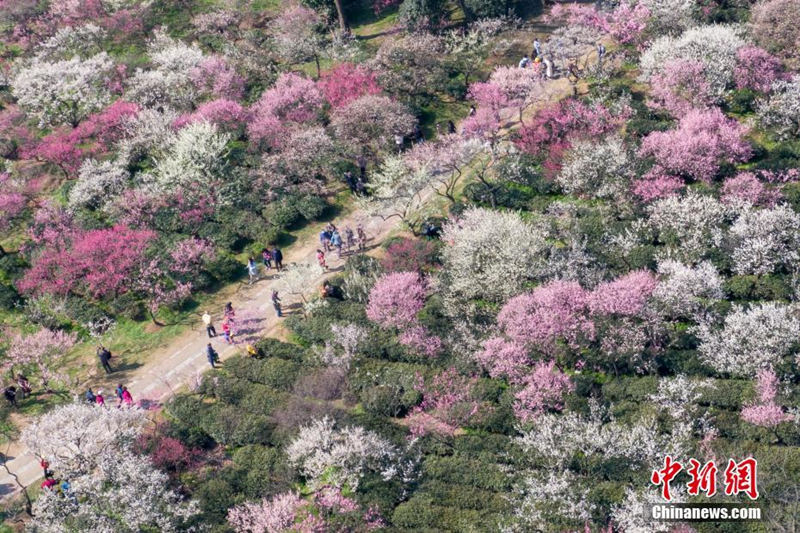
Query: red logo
<point x="739" y="477"/>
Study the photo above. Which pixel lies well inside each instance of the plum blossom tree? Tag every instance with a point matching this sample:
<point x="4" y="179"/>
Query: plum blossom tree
<point x="596" y="169"/>
<point x="715" y="46"/>
<point x="695" y="149"/>
<point x="270" y="515"/>
<point x="750" y="338"/>
<point x="299" y="35"/>
<point x="445" y="159"/>
<point x="342" y="456"/>
<point x="110" y="486"/>
<point x="681" y="86"/>
<point x="511" y="87"/>
<point x="214" y="76"/>
<point x="368" y="125"/>
<point x="448" y="402"/>
<point x="12" y="201"/>
<point x="488" y="255"/>
<point x="764" y="411"/>
<point x="411" y="65"/>
<point x="624" y="296"/>
<point x="570" y="46"/>
<point x="293" y="99"/>
<point x="543" y="390"/>
<point x="396" y="190"/>
<point x="551" y="313"/>
<point x="347" y="82"/>
<point x="226" y="114"/>
<point x="690" y="226"/>
<point x="780" y="113"/>
<point x="765" y="239"/>
<point x="97" y="184"/>
<point x="774" y="26"/>
<point x="298" y="277"/>
<point x="63" y="92"/>
<point x="96" y="263"/>
<point x="687" y="291"/>
<point x="40" y="351"/>
<point x="395" y="300"/>
<point x="756" y="69"/>
<point x="305" y="159"/>
<point x="746" y="187"/>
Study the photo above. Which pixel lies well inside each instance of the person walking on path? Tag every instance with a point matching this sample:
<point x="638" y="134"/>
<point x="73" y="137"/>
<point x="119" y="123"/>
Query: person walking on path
<point x="277" y="257"/>
<point x="267" y="258"/>
<point x="276" y="303"/>
<point x="90" y="396"/>
<point x="537" y="48"/>
<point x="349" y="239"/>
<point x="118" y="391"/>
<point x="325" y="239"/>
<point x="211" y="355"/>
<point x="98" y="398"/>
<point x="362" y="238"/>
<point x="127" y="399"/>
<point x="104" y="355"/>
<point x="321" y="259"/>
<point x="229" y="313"/>
<point x="336" y="242"/>
<point x="209" y="325"/>
<point x="227" y="332"/>
<point x="45" y="464"/>
<point x="252" y="270"/>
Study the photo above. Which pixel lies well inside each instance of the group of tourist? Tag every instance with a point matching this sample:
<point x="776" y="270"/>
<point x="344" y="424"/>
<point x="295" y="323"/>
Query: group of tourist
<point x="331" y="239"/>
<point x="97" y="398"/>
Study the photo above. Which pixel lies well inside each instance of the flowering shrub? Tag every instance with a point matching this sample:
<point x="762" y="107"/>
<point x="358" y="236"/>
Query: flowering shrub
<point x="764" y="411"/>
<point x="447" y="401"/>
<point x="410" y="255"/>
<point x="543" y="390"/>
<point x="346" y="83"/>
<point x="395" y="300"/>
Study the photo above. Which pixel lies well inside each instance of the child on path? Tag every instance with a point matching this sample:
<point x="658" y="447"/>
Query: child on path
<point x="321" y="259"/>
<point x="226" y="332"/>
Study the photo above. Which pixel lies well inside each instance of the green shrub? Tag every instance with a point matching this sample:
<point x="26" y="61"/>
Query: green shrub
<point x="767" y="287"/>
<point x="225" y="267"/>
<point x="268" y="347"/>
<point x="383" y="400"/>
<point x="9" y="297"/>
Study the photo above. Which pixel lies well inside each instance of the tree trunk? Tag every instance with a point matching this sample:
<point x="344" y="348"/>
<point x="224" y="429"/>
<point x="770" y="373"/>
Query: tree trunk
<point x="343" y="25"/>
<point x="316" y="61"/>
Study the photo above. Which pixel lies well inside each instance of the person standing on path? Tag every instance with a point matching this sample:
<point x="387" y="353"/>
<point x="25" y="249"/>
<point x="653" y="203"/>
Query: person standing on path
<point x="325" y="239"/>
<point x="10" y="393"/>
<point x="104" y="355"/>
<point x="336" y="242"/>
<point x="118" y="391"/>
<point x="229" y="313"/>
<point x="98" y="398"/>
<point x="209" y="325"/>
<point x="276" y="303"/>
<point x="90" y="396"/>
<point x="252" y="270"/>
<point x="321" y="259"/>
<point x="127" y="399"/>
<point x="349" y="239"/>
<point x="277" y="257"/>
<point x="537" y="48"/>
<point x="362" y="238"/>
<point x="267" y="258"/>
<point x="211" y="355"/>
<point x="226" y="332"/>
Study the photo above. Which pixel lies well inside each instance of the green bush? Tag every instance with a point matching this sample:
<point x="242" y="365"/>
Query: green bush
<point x="9" y="297"/>
<point x="383" y="400"/>
<point x="268" y="347"/>
<point x="225" y="267"/>
<point x="767" y="287"/>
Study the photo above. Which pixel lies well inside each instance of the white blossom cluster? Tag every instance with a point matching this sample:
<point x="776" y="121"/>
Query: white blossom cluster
<point x="196" y="155"/>
<point x="97" y="184"/>
<point x="765" y="239"/>
<point x="63" y="92"/>
<point x="685" y="290"/>
<point x="688" y="225"/>
<point x="750" y="338"/>
<point x="147" y="133"/>
<point x="596" y="169"/>
<point x="670" y="16"/>
<point x="780" y="112"/>
<point x="70" y="41"/>
<point x="715" y="46"/>
<point x="325" y="454"/>
<point x="490" y="255"/>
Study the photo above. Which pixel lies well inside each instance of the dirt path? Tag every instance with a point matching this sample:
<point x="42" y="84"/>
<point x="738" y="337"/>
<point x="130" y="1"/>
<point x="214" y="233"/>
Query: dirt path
<point x="183" y="360"/>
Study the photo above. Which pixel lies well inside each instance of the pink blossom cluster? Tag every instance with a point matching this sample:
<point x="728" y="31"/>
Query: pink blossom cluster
<point x="347" y="82"/>
<point x="224" y="113"/>
<point x="746" y="186"/>
<point x="293" y="99"/>
<point x="448" y="402"/>
<point x="764" y="411"/>
<point x="756" y="69"/>
<point x="215" y="76"/>
<point x="543" y="390"/>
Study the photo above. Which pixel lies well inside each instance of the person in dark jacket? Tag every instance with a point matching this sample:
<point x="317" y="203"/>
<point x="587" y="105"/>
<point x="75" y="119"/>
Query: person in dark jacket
<point x="212" y="355"/>
<point x="277" y="257"/>
<point x="104" y="355"/>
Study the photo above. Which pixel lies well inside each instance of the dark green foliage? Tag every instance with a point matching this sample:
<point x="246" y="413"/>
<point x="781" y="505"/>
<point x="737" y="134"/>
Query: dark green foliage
<point x="9" y="297"/>
<point x="317" y="328"/>
<point x="268" y="347"/>
<point x="276" y="373"/>
<point x="767" y="287"/>
<point x="422" y="13"/>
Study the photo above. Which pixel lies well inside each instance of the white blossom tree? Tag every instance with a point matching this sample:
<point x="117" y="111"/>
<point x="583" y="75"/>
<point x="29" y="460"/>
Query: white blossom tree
<point x="63" y="92"/>
<point x="97" y="184"/>
<point x="765" y="239"/>
<point x="690" y="226"/>
<point x="780" y="113"/>
<point x="687" y="291"/>
<point x="489" y="255"/>
<point x="597" y="169"/>
<point x="110" y="487"/>
<point x="324" y="453"/>
<point x="749" y="339"/>
<point x="298" y="278"/>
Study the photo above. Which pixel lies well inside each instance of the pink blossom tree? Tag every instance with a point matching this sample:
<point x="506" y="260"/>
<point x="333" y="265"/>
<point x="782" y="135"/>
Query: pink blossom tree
<point x="369" y="125"/>
<point x="224" y="113"/>
<point x="293" y="99"/>
<point x="12" y="202"/>
<point x="695" y="149"/>
<point x="624" y="296"/>
<point x="764" y="411"/>
<point x="775" y="25"/>
<point x="270" y="515"/>
<point x="504" y="358"/>
<point x="395" y="300"/>
<point x="347" y="82"/>
<point x="746" y="186"/>
<point x="217" y="78"/>
<point x="681" y="86"/>
<point x="40" y="351"/>
<point x="95" y="263"/>
<point x="544" y="390"/>
<point x="551" y="313"/>
<point x="448" y="402"/>
<point x="756" y="69"/>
